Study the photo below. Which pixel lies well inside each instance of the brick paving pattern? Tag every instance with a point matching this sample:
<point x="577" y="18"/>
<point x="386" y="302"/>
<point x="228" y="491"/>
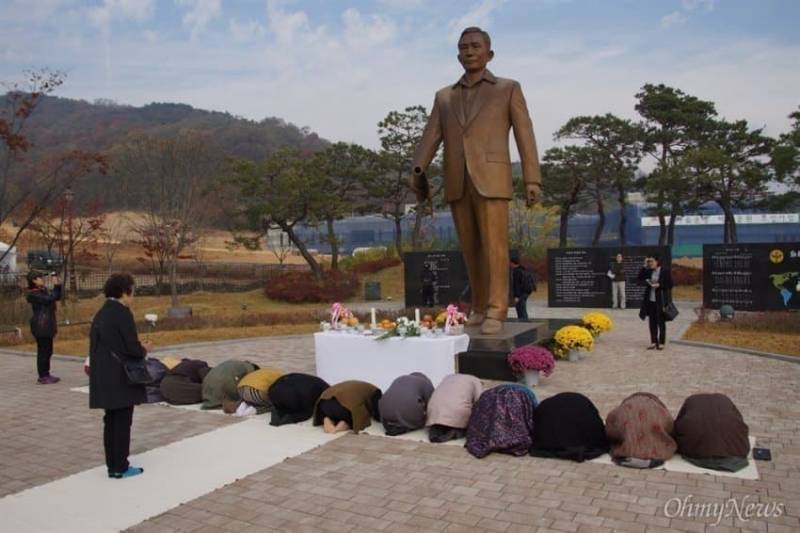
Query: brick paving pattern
<point x="363" y="483"/>
<point x="49" y="432"/>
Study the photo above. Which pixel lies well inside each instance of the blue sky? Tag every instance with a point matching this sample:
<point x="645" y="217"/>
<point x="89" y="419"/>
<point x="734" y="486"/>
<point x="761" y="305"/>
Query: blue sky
<point x="338" y="67"/>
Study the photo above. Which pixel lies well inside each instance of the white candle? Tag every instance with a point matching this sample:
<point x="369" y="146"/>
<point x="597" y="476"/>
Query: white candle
<point x="373" y="324"/>
<point x="416" y="316"/>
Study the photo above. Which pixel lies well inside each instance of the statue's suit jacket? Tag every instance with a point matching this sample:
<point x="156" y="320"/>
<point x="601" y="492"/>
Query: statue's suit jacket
<point x="479" y="142"/>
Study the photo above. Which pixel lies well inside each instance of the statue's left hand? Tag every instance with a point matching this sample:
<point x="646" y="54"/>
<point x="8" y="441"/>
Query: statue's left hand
<point x="533" y="194"/>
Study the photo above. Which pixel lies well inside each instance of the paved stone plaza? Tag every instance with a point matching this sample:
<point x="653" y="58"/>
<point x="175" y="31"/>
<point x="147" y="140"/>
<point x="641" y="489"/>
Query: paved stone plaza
<point x="367" y="483"/>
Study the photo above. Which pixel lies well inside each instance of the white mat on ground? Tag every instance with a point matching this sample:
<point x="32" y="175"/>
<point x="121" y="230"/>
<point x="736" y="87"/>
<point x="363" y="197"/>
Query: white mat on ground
<point x="190" y="407"/>
<point x="676" y="464"/>
<point x="679" y="464"/>
<point x="174" y="474"/>
<point x="420" y="435"/>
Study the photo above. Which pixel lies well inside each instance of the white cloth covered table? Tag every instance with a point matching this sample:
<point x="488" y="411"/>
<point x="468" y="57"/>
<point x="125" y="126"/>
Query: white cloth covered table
<point x="340" y="357"/>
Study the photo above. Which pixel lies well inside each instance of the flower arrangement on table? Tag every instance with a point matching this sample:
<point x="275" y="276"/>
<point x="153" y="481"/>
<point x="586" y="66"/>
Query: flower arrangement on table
<point x="597" y="323"/>
<point x="571" y="338"/>
<point x="341" y="318"/>
<point x="531" y="357"/>
<point x="452" y="320"/>
<point x="403" y="327"/>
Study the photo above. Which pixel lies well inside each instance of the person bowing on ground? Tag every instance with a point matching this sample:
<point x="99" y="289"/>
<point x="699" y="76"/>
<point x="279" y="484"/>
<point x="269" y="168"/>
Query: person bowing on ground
<point x="451" y="405"/>
<point x="404" y="404"/>
<point x="347" y="405"/>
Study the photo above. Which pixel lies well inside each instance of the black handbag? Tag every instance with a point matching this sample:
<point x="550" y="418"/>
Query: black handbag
<point x="135" y="370"/>
<point x="670" y="311"/>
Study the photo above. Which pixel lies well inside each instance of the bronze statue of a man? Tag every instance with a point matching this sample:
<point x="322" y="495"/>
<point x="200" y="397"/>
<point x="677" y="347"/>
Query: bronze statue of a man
<point x="473" y="117"/>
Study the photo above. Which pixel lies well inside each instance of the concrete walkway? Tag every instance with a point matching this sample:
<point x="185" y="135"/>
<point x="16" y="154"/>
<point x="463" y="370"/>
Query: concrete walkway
<point x="372" y="483"/>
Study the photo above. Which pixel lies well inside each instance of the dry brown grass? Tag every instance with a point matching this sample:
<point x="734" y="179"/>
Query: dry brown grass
<point x="391" y="280"/>
<point x="785" y="342"/>
<point x="202" y="304"/>
<point x="80" y="347"/>
<point x="694" y="262"/>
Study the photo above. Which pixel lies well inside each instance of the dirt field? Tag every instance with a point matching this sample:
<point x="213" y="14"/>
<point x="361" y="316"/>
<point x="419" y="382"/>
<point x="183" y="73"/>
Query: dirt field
<point x="212" y="247"/>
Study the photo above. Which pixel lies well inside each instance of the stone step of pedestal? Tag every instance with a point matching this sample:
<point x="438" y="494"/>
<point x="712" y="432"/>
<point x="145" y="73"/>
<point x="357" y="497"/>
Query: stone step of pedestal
<point x="486" y="356"/>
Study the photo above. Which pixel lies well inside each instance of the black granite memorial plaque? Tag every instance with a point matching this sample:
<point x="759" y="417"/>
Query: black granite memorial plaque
<point x="449" y="277"/>
<point x="752" y="277"/>
<point x="578" y="277"/>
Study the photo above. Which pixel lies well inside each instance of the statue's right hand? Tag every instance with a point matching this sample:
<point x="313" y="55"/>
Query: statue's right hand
<point x="419" y="184"/>
<point x="421" y="191"/>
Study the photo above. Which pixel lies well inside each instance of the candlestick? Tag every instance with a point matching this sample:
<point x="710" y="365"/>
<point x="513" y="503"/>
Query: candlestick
<point x="416" y="316"/>
<point x="373" y="324"/>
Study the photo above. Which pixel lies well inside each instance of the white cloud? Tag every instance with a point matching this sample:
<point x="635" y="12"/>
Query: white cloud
<point x="675" y="18"/>
<point x="200" y="13"/>
<point x="247" y="31"/>
<point x="369" y="31"/>
<point x="110" y="10"/>
<point x="309" y="74"/>
<point x="290" y="27"/>
<point x="402" y="4"/>
<point x="151" y="36"/>
<point x="691" y="5"/>
<point x="479" y="15"/>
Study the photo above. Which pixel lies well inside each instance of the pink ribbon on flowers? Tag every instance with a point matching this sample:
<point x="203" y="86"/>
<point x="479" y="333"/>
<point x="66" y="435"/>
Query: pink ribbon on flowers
<point x="452" y="317"/>
<point x="336" y="313"/>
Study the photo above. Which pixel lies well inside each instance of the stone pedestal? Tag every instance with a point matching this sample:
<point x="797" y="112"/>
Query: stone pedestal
<point x="486" y="356"/>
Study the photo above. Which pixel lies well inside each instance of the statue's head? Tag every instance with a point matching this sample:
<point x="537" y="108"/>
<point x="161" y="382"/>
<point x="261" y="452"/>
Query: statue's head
<point x="474" y="49"/>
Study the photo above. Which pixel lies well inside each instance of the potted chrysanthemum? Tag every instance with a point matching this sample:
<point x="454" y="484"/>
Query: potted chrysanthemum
<point x="597" y="323"/>
<point x="569" y="340"/>
<point x="531" y="361"/>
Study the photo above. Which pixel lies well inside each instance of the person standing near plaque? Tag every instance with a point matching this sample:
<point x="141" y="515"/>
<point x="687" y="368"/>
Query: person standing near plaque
<point x="472" y="118"/>
<point x="617" y="274"/>
<point x="523" y="283"/>
<point x="658" y="286"/>
<point x="428" y="280"/>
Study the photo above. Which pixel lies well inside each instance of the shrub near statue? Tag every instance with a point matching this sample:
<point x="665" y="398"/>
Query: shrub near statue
<point x="472" y="118"/>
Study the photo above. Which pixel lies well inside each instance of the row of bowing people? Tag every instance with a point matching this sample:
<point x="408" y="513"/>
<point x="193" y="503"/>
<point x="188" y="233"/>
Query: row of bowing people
<point x="709" y="430"/>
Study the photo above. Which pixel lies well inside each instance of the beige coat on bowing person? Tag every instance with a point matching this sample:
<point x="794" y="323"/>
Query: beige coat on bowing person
<point x="452" y="401"/>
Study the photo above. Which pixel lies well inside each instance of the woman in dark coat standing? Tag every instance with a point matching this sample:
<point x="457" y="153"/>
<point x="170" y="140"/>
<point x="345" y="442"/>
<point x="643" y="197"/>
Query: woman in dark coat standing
<point x="657" y="292"/>
<point x="113" y="338"/>
<point x="43" y="322"/>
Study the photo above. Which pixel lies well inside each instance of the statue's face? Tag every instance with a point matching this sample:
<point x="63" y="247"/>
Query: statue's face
<point x="473" y="54"/>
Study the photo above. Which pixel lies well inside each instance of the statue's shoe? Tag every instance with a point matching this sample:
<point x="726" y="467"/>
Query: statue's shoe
<point x="476" y="319"/>
<point x="491" y="326"/>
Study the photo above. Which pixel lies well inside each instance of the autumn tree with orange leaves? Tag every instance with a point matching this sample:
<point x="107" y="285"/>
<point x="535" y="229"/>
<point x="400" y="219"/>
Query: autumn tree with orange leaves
<point x="29" y="185"/>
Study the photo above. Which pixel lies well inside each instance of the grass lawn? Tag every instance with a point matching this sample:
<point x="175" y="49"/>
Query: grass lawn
<point x="391" y="280"/>
<point x="744" y="332"/>
<point x="80" y="347"/>
<point x="202" y="304"/>
<point x="72" y="340"/>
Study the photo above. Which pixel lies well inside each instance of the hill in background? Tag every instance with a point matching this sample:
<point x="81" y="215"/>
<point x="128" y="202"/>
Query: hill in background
<point x="61" y="124"/>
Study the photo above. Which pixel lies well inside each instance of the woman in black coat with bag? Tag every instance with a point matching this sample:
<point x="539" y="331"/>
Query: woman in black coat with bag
<point x="43" y="322"/>
<point x="114" y="341"/>
<point x="657" y="294"/>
